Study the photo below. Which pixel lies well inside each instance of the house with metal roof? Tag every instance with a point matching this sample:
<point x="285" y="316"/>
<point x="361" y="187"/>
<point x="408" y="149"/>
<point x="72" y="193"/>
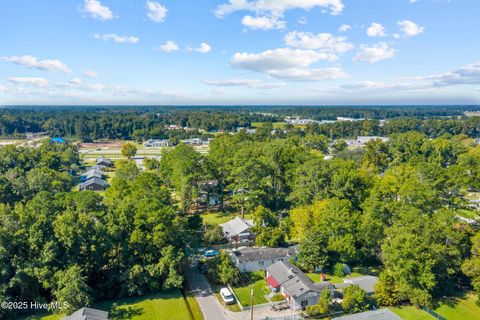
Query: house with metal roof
<point x="250" y="259"/>
<point x="95" y="184"/>
<point x="87" y="314"/>
<point x="92" y="173"/>
<point x="237" y="229"/>
<point x="104" y="162"/>
<point x="297" y="288"/>
<point x="366" y="283"/>
<point x="380" y="314"/>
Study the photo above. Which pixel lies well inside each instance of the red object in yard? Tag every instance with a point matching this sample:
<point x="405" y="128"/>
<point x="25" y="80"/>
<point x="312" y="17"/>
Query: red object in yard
<point x="272" y="282"/>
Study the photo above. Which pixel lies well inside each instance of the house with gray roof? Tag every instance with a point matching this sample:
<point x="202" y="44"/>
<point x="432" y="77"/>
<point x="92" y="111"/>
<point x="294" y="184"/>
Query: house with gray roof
<point x="297" y="288"/>
<point x="95" y="184"/>
<point x="87" y="314"/>
<point x="380" y="314"/>
<point x="250" y="259"/>
<point x="104" y="162"/>
<point x="237" y="229"/>
<point x="366" y="283"/>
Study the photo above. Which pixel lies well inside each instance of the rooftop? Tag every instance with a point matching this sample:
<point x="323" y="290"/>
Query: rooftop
<point x="293" y="280"/>
<point x="236" y="226"/>
<point x="381" y="314"/>
<point x="247" y="254"/>
<point x="366" y="283"/>
<point x="88" y="314"/>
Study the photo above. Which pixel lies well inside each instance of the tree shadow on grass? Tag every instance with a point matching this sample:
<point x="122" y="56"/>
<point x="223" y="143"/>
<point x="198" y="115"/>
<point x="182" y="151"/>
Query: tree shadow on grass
<point x="450" y="301"/>
<point x="124" y="313"/>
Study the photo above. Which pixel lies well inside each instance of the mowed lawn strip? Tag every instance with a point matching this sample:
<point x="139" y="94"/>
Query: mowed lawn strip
<point x="169" y="305"/>
<point x="411" y="313"/>
<point x="459" y="308"/>
<point x="244" y="293"/>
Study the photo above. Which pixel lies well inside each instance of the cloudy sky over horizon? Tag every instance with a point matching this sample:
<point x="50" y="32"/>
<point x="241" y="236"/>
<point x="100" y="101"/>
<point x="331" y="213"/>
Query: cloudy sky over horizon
<point x="239" y="52"/>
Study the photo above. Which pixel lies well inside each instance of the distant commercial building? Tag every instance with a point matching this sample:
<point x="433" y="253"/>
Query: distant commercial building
<point x="361" y="141"/>
<point x="156" y="143"/>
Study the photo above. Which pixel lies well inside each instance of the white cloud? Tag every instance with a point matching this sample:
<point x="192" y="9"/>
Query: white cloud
<point x="470" y="74"/>
<point x="263" y="22"/>
<point x="97" y="10"/>
<point x="168" y="46"/>
<point x="116" y="38"/>
<point x="90" y="74"/>
<point x="204" y="48"/>
<point x="32" y="62"/>
<point x="75" y="81"/>
<point x="3" y="88"/>
<point x="467" y="75"/>
<point x="29" y="81"/>
<point x="409" y="28"/>
<point x="376" y="30"/>
<point x="156" y="12"/>
<point x="375" y="53"/>
<point x="277" y="7"/>
<point x="322" y="41"/>
<point x="286" y="63"/>
<point x="302" y="20"/>
<point x="250" y="83"/>
<point x="344" y="28"/>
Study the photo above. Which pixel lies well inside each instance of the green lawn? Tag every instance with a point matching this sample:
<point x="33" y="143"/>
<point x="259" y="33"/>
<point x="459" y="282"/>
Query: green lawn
<point x="459" y="308"/>
<point x="220" y="217"/>
<point x="276" y="125"/>
<point x="454" y="308"/>
<point x="161" y="306"/>
<point x="244" y="293"/>
<point x="411" y="313"/>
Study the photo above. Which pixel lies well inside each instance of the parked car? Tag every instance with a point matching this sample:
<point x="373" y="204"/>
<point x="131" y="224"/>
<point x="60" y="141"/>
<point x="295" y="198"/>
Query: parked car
<point x="227" y="296"/>
<point x="210" y="253"/>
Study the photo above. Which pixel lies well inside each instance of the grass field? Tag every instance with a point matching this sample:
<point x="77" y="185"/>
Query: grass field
<point x="244" y="293"/>
<point x="160" y="306"/>
<point x="463" y="307"/>
<point x="411" y="313"/>
<point x="276" y="125"/>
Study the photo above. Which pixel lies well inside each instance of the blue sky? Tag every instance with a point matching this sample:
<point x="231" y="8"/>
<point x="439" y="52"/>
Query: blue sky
<point x="239" y="52"/>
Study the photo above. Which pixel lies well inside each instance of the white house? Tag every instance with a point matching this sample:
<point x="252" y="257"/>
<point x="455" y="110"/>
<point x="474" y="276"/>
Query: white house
<point x="237" y="229"/>
<point x="298" y="289"/>
<point x="250" y="259"/>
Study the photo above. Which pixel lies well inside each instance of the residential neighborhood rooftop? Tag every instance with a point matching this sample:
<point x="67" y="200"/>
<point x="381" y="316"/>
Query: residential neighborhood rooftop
<point x="88" y="314"/>
<point x="381" y="314"/>
<point x="236" y="226"/>
<point x="246" y="254"/>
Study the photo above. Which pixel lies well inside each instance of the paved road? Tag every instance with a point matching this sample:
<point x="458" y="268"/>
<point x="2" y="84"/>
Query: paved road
<point x="213" y="310"/>
<point x="211" y="307"/>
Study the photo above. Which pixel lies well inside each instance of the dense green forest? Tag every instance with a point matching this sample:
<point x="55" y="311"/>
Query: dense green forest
<point x="148" y="122"/>
<point x="392" y="205"/>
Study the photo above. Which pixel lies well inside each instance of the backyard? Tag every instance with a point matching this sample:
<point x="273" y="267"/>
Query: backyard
<point x="243" y="292"/>
<point x="461" y="307"/>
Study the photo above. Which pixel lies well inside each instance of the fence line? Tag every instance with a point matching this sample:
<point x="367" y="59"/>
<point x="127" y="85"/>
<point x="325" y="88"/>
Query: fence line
<point x="433" y="313"/>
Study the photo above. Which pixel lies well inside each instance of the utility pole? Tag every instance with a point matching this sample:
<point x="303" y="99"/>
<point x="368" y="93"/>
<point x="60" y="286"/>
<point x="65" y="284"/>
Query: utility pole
<point x="251" y="308"/>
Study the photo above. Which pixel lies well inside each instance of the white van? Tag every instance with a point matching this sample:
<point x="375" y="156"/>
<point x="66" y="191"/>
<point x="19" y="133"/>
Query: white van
<point x="227" y="296"/>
